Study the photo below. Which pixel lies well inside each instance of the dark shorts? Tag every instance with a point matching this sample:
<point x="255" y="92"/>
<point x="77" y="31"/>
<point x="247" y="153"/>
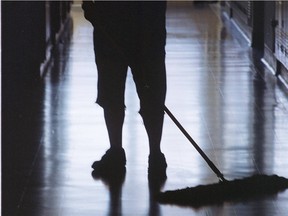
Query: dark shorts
<point x="131" y="34"/>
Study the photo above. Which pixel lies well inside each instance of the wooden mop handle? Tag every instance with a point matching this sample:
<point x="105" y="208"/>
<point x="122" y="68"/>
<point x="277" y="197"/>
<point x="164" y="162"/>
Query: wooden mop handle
<point x="209" y="162"/>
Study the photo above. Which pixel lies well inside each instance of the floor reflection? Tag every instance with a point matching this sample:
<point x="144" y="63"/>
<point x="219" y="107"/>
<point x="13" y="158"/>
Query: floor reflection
<point x="114" y="185"/>
<point x="154" y="190"/>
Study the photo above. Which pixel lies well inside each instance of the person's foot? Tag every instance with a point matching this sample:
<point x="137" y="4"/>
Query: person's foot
<point x="111" y="163"/>
<point x="157" y="167"/>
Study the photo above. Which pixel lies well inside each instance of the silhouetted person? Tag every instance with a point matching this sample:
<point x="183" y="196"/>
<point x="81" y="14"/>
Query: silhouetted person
<point x="130" y="34"/>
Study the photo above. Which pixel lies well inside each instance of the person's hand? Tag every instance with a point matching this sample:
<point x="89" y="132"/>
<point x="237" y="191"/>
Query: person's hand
<point x="89" y="10"/>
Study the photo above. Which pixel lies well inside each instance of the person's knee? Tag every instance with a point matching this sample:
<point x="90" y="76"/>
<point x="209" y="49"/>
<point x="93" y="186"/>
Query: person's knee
<point x="148" y="112"/>
<point x="112" y="107"/>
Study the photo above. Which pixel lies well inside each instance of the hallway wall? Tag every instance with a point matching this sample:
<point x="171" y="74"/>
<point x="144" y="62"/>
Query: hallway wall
<point x="33" y="32"/>
<point x="31" y="36"/>
<point x="264" y="25"/>
<point x="30" y="31"/>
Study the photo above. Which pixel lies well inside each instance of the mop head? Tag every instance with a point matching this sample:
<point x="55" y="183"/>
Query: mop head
<point x="238" y="190"/>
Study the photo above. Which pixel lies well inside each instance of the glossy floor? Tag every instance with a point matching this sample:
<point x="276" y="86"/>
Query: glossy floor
<point x="228" y="101"/>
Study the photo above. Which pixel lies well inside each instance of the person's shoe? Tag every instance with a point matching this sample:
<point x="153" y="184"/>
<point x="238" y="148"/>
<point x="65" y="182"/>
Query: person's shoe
<point x="111" y="163"/>
<point x="157" y="168"/>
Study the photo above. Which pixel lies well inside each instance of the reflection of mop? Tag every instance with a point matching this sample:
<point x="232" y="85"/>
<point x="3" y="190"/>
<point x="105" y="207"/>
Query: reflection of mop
<point x="237" y="190"/>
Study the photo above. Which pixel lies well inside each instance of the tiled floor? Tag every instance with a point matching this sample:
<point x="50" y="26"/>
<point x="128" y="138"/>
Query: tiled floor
<point x="230" y="104"/>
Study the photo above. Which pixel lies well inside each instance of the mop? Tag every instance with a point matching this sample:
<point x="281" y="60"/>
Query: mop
<point x="238" y="190"/>
<point x="234" y="190"/>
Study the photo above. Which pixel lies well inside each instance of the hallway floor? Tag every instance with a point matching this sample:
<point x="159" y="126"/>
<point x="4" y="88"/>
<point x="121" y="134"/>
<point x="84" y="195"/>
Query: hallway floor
<point x="230" y="103"/>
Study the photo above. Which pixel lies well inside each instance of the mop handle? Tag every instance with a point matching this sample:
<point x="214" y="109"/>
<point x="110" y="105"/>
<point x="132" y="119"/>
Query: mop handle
<point x="209" y="162"/>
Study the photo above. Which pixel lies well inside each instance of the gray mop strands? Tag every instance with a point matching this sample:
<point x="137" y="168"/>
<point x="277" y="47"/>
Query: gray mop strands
<point x="232" y="191"/>
<point x="238" y="190"/>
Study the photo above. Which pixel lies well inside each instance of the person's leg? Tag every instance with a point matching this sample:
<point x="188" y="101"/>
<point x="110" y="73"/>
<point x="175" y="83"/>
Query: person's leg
<point x="149" y="73"/>
<point x="154" y="126"/>
<point x="152" y="98"/>
<point x="150" y="81"/>
<point x="112" y="73"/>
<point x="111" y="98"/>
<point x="114" y="119"/>
<point x="111" y="87"/>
